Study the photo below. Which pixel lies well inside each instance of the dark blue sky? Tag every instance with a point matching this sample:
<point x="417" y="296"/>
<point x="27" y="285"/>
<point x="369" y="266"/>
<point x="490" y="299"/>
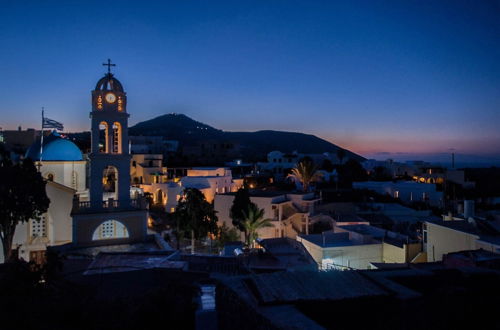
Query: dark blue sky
<point x="372" y="76"/>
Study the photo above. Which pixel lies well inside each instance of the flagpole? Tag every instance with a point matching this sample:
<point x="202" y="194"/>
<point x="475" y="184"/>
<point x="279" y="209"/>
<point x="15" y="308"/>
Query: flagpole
<point x="41" y="139"/>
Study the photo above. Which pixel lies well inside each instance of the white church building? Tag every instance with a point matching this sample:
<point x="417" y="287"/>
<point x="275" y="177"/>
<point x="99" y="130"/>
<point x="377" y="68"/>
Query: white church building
<point x="64" y="168"/>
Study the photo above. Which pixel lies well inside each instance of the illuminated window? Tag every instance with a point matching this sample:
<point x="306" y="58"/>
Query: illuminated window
<point x="109" y="230"/>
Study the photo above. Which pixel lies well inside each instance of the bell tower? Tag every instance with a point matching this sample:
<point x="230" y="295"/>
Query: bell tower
<point x="109" y="216"/>
<point x="109" y="157"/>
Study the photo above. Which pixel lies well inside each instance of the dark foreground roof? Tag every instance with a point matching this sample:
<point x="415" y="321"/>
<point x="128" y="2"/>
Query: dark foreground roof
<point x="287" y="287"/>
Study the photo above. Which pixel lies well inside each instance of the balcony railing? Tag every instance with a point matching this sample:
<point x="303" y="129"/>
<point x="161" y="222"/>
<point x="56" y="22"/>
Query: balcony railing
<point x="111" y="205"/>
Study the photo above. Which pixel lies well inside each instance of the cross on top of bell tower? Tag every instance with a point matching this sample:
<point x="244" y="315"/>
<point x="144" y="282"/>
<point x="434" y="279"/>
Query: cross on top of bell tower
<point x="109" y="65"/>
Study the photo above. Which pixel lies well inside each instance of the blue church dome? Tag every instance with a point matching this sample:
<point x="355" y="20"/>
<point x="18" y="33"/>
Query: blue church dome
<point x="55" y="148"/>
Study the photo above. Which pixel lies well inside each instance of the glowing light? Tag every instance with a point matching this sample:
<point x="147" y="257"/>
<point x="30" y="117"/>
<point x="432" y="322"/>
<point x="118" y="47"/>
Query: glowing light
<point x="99" y="102"/>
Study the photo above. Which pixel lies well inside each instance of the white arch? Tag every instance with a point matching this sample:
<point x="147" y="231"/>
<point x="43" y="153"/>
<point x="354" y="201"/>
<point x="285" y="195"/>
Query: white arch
<point x="110" y="229"/>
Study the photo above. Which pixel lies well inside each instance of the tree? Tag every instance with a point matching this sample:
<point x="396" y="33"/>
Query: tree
<point x="195" y="215"/>
<point x="306" y="173"/>
<point x="22" y="197"/>
<point x="351" y="171"/>
<point x="226" y="235"/>
<point x="253" y="221"/>
<point x="241" y="203"/>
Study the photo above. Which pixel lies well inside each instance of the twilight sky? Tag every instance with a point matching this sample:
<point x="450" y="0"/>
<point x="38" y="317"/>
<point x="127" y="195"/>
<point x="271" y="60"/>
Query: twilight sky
<point x="376" y="77"/>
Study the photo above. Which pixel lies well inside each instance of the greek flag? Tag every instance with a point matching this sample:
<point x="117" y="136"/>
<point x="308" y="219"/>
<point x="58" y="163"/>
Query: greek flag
<point x="50" y="123"/>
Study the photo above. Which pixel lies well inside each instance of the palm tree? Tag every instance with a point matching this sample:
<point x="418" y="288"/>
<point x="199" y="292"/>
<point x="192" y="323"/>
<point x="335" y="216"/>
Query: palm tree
<point x="305" y="172"/>
<point x="253" y="219"/>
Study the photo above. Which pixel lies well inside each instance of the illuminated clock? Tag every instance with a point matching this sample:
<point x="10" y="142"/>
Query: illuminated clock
<point x="110" y="98"/>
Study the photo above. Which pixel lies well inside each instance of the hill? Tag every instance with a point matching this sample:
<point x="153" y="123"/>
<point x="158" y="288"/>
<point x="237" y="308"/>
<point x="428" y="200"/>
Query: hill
<point x="188" y="131"/>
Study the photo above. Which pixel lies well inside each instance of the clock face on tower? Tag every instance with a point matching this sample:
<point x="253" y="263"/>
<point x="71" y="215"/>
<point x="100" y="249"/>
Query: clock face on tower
<point x="110" y="98"/>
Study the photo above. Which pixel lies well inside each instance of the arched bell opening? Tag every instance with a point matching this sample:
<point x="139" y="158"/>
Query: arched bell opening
<point x="103" y="137"/>
<point x="117" y="138"/>
<point x="110" y="183"/>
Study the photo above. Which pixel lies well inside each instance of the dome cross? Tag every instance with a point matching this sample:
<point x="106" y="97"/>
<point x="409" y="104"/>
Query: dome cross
<point x="109" y="65"/>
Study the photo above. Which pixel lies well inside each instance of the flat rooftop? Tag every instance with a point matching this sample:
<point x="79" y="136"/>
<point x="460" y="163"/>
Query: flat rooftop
<point x="329" y="239"/>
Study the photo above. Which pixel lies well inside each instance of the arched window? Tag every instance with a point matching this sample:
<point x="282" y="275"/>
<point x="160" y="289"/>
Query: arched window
<point x="110" y="229"/>
<point x="117" y="138"/>
<point x="50" y="177"/>
<point x="103" y="137"/>
<point x="159" y="198"/>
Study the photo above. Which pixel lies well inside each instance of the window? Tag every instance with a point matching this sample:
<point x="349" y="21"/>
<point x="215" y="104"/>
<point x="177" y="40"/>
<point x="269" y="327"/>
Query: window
<point x="110" y="229"/>
<point x="107" y="230"/>
<point x="39" y="227"/>
<point x="50" y="177"/>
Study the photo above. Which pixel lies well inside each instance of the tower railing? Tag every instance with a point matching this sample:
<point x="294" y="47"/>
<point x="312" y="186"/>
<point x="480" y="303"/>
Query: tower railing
<point x="110" y="205"/>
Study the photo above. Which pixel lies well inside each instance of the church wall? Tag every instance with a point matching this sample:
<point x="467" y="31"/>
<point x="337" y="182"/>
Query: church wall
<point x="58" y="223"/>
<point x="59" y="214"/>
<point x="63" y="171"/>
